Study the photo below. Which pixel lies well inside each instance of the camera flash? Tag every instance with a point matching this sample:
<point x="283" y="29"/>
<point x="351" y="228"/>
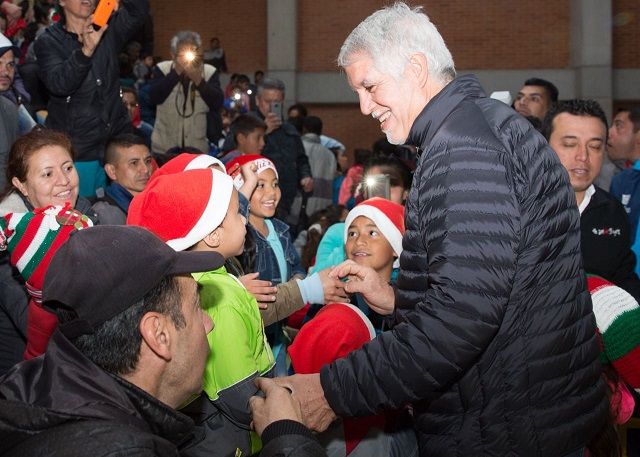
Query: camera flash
<point x="189" y="56"/>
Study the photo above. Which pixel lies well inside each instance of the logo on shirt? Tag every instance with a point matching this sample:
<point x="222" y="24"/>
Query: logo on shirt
<point x="606" y="231"/>
<point x="626" y="198"/>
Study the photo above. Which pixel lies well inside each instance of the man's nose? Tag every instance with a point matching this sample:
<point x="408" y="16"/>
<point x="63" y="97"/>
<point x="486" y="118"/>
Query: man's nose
<point x="366" y="103"/>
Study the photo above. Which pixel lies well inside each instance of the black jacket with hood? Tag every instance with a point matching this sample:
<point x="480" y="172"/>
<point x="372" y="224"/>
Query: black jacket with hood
<point x="495" y="339"/>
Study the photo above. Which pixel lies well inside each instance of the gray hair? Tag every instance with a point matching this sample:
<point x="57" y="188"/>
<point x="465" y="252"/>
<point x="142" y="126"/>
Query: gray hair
<point x="270" y="83"/>
<point x="185" y="36"/>
<point x="390" y="36"/>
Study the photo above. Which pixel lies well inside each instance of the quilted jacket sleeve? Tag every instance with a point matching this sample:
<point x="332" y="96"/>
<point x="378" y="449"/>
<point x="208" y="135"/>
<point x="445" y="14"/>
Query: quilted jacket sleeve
<point x="462" y="247"/>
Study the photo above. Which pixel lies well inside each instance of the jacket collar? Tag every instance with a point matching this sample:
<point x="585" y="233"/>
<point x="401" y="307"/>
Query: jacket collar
<point x="65" y="382"/>
<point x="439" y="107"/>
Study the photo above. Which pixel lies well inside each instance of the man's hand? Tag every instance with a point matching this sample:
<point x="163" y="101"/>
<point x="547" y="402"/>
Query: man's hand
<point x="307" y="184"/>
<point x="90" y="37"/>
<point x="193" y="70"/>
<point x="262" y="290"/>
<point x="333" y="288"/>
<point x="306" y="388"/>
<point x="364" y="280"/>
<point x="278" y="404"/>
<point x="273" y="122"/>
<point x="13" y="12"/>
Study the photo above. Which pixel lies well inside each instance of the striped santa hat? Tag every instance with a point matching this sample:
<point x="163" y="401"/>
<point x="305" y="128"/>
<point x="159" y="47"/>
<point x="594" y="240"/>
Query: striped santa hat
<point x="388" y="217"/>
<point x="234" y="167"/>
<point x="34" y="237"/>
<point x="618" y="320"/>
<point x="183" y="208"/>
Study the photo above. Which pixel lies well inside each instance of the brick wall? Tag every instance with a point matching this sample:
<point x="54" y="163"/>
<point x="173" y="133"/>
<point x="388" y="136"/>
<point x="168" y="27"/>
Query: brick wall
<point x="481" y="35"/>
<point x="347" y="124"/>
<point x="240" y="24"/>
<point x="625" y="33"/>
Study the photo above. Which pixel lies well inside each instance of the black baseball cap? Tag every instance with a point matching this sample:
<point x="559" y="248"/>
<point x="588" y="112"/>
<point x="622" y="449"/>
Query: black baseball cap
<point x="101" y="271"/>
<point x="7" y="45"/>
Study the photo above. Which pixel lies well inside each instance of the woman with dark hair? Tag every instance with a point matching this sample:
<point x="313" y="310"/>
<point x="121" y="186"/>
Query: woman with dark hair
<point x="40" y="173"/>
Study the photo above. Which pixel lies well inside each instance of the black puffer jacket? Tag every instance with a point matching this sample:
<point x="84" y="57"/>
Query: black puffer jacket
<point x="495" y="342"/>
<point x="85" y="91"/>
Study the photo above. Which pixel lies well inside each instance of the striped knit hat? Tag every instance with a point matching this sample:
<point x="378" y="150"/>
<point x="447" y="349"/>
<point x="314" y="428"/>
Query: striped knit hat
<point x="618" y="320"/>
<point x="34" y="237"/>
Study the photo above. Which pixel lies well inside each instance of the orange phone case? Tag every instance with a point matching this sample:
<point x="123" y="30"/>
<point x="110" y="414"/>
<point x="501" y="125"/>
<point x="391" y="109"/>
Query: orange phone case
<point x="103" y="11"/>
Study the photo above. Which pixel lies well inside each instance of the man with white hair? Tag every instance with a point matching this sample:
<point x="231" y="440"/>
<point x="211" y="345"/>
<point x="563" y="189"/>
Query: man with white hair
<point x="188" y="97"/>
<point x="494" y="340"/>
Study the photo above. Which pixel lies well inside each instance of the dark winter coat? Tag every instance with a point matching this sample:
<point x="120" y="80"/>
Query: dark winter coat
<point x="495" y="339"/>
<point x="85" y="91"/>
<point x="63" y="404"/>
<point x="606" y="242"/>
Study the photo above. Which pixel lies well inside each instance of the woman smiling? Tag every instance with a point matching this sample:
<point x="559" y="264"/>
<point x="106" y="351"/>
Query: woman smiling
<point x="40" y="173"/>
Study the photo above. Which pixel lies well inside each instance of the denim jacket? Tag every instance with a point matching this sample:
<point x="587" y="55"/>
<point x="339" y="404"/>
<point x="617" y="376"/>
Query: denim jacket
<point x="266" y="262"/>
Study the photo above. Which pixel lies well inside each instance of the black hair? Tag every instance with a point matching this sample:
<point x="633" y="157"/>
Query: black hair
<point x="552" y="90"/>
<point x="115" y="345"/>
<point x="398" y="171"/>
<point x="361" y="156"/>
<point x="245" y="124"/>
<point x="243" y="79"/>
<point x="634" y="116"/>
<point x="125" y="140"/>
<point x="313" y="124"/>
<point x="302" y="110"/>
<point x="587" y="108"/>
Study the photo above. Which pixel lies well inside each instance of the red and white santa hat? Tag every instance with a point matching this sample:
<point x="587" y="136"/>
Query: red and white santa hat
<point x="388" y="217"/>
<point x="234" y="167"/>
<point x="335" y="331"/>
<point x="183" y="208"/>
<point x="184" y="162"/>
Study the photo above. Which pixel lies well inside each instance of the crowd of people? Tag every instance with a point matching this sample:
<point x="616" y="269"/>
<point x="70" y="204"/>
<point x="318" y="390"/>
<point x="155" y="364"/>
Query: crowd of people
<point x="192" y="270"/>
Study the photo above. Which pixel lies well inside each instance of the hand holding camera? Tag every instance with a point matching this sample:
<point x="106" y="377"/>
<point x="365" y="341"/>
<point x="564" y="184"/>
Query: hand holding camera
<point x="189" y="64"/>
<point x="274" y="117"/>
<point x="90" y="37"/>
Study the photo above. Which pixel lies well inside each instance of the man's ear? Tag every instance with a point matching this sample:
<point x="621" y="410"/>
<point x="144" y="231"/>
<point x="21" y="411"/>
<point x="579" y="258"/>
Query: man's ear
<point x="155" y="331"/>
<point x="418" y="68"/>
<point x="212" y="239"/>
<point x="20" y="186"/>
<point x="111" y="171"/>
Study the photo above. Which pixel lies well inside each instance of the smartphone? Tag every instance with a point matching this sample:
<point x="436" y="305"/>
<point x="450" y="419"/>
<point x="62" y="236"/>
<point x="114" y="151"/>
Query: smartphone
<point x="377" y="186"/>
<point x="103" y="12"/>
<point x="276" y="107"/>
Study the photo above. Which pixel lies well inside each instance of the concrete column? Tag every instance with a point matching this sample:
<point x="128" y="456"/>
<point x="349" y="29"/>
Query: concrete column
<point x="282" y="45"/>
<point x="591" y="53"/>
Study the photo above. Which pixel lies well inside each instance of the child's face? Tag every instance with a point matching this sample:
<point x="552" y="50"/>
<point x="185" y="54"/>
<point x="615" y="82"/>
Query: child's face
<point x="266" y="196"/>
<point x="366" y="246"/>
<point x="251" y="143"/>
<point x="233" y="229"/>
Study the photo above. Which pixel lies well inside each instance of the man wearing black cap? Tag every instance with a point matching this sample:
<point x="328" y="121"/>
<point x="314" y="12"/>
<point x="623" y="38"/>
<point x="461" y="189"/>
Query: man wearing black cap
<point x="130" y="348"/>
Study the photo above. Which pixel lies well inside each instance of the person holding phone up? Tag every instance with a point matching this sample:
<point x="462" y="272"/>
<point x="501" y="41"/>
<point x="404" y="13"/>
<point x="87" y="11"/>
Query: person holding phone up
<point x="188" y="97"/>
<point x="78" y="66"/>
<point x="283" y="145"/>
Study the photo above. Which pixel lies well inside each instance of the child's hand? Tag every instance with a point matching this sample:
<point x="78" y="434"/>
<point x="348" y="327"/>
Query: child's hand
<point x="250" y="176"/>
<point x="333" y="288"/>
<point x="262" y="290"/>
